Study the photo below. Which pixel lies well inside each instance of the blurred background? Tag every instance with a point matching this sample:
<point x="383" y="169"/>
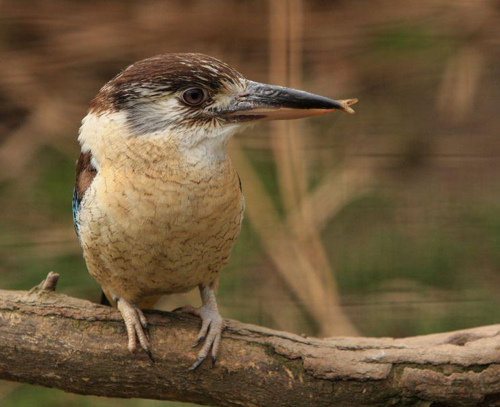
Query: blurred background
<point x="386" y="223"/>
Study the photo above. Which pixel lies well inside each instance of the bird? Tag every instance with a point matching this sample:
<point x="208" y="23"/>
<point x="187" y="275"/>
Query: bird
<point x="157" y="203"/>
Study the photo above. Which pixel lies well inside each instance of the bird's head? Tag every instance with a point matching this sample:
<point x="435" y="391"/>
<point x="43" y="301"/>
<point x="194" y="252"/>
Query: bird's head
<point x="191" y="98"/>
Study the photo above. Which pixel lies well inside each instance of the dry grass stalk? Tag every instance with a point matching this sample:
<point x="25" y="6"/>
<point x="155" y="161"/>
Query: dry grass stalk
<point x="286" y="20"/>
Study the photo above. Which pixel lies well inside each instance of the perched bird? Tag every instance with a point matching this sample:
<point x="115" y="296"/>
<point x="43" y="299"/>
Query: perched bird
<point x="157" y="204"/>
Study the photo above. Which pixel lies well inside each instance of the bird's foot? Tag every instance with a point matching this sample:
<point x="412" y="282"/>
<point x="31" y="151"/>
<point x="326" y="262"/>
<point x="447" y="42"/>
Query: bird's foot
<point x="210" y="332"/>
<point x="137" y="326"/>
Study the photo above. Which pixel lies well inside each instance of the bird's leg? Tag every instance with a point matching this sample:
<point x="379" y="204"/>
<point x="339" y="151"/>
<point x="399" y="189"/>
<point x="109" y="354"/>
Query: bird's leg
<point x="136" y="324"/>
<point x="211" y="328"/>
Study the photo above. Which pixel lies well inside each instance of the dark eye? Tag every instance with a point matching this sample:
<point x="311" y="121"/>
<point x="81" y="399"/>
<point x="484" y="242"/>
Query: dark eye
<point x="194" y="96"/>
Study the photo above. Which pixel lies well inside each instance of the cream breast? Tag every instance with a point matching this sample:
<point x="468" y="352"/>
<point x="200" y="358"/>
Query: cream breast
<point x="158" y="225"/>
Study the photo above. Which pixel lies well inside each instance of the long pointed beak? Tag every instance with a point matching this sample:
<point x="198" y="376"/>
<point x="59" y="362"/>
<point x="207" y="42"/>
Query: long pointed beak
<point x="261" y="101"/>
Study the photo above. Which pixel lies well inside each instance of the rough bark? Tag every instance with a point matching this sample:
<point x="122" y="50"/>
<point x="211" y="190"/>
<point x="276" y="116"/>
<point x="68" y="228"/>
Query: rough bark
<point x="53" y="340"/>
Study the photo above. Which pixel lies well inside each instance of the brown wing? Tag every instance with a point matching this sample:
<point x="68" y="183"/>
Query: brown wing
<point x="85" y="174"/>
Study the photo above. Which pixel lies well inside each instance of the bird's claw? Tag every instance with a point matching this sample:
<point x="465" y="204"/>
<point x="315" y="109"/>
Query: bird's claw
<point x="198" y="342"/>
<point x="210" y="333"/>
<point x="150" y="355"/>
<point x="197" y="364"/>
<point x="137" y="327"/>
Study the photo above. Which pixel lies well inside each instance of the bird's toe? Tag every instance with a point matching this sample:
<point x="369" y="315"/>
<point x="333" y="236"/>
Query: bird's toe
<point x="136" y="325"/>
<point x="210" y="335"/>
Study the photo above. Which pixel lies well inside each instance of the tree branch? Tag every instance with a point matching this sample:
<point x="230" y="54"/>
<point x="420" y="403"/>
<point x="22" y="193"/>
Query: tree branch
<point x="54" y="340"/>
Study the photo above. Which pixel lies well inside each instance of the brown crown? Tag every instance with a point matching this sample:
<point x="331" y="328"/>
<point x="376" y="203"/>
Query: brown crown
<point x="160" y="74"/>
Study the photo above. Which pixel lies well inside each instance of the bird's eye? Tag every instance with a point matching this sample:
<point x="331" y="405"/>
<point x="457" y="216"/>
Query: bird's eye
<point x="194" y="96"/>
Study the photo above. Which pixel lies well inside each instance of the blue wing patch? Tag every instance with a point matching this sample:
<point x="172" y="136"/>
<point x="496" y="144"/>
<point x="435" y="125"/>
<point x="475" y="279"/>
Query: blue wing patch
<point x="85" y="174"/>
<point x="76" y="208"/>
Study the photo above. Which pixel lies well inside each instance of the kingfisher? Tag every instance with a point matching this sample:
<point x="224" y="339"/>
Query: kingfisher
<point x="157" y="204"/>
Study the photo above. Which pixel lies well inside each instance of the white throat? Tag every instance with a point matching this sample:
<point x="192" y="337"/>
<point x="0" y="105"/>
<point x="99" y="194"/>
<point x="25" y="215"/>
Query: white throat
<point x="108" y="137"/>
<point x="208" y="145"/>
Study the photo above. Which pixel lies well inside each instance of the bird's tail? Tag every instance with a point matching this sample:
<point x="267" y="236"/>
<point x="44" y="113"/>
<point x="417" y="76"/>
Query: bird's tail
<point x="146" y="303"/>
<point x="104" y="299"/>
